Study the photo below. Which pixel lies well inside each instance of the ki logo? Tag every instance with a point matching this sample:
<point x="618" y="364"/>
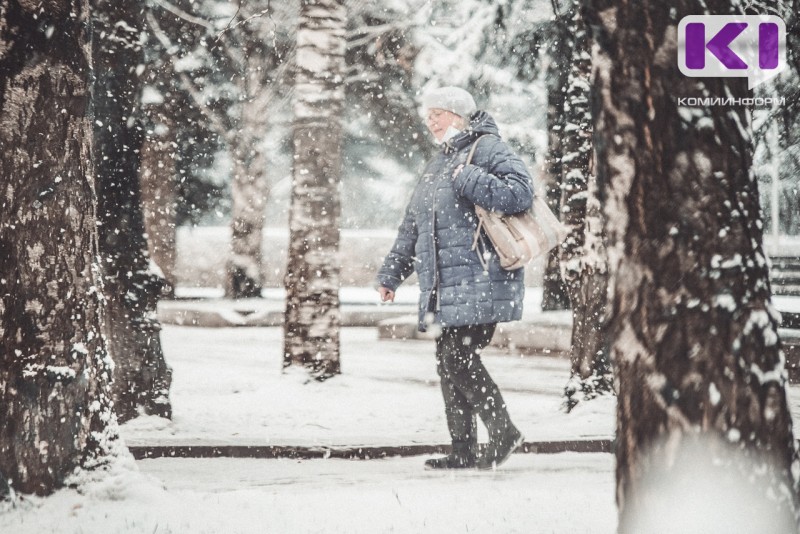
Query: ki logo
<point x="751" y="46"/>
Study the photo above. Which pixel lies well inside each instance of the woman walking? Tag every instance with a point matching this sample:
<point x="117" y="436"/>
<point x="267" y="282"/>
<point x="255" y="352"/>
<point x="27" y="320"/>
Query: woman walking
<point x="464" y="292"/>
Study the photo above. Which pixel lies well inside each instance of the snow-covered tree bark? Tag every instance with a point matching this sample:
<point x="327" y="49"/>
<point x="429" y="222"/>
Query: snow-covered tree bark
<point x="311" y="332"/>
<point x="693" y="334"/>
<point x="554" y="294"/>
<point x="793" y="34"/>
<point x="55" y="397"/>
<point x="582" y="256"/>
<point x="141" y="376"/>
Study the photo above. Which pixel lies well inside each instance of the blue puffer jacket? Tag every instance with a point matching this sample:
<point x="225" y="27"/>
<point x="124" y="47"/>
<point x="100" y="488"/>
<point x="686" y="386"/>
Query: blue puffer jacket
<point x="435" y="237"/>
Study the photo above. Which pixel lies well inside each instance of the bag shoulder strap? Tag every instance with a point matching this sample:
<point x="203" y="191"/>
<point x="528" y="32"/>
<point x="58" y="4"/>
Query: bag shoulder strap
<point x="479" y="213"/>
<point x="472" y="150"/>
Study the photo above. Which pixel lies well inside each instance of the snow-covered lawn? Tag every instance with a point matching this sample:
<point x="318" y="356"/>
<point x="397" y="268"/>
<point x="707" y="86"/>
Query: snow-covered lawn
<point x="228" y="389"/>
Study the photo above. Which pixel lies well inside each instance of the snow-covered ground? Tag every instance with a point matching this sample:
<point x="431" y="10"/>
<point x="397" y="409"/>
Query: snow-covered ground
<point x="228" y="389"/>
<point x="562" y="493"/>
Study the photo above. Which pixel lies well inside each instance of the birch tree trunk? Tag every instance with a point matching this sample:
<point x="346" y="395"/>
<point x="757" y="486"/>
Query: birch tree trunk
<point x="142" y="377"/>
<point x="582" y="256"/>
<point x="249" y="189"/>
<point x="693" y="334"/>
<point x="311" y="331"/>
<point x="55" y="397"/>
<point x="159" y="195"/>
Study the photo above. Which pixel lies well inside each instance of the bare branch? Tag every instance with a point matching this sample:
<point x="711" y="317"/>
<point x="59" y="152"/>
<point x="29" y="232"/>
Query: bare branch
<point x="231" y="52"/>
<point x="245" y="21"/>
<point x="556" y="8"/>
<point x="228" y="26"/>
<point x="267" y="12"/>
<point x="378" y="29"/>
<point x="188" y="17"/>
<point x="218" y="122"/>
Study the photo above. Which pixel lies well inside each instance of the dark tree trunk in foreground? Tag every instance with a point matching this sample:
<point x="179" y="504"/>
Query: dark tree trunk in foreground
<point x="582" y="256"/>
<point x="141" y="376"/>
<point x="55" y="399"/>
<point x="311" y="332"/>
<point x="693" y="335"/>
<point x="793" y="35"/>
<point x="554" y="294"/>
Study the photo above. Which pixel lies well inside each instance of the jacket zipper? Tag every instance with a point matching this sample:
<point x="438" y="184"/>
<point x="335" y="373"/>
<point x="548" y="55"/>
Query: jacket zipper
<point x="438" y="306"/>
<point x="435" y="252"/>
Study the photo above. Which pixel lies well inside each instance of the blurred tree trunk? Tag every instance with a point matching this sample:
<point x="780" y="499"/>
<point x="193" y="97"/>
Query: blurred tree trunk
<point x="693" y="334"/>
<point x="249" y="188"/>
<point x="311" y="335"/>
<point x="55" y="398"/>
<point x="582" y="256"/>
<point x="249" y="50"/>
<point x="142" y="377"/>
<point x="793" y="35"/>
<point x="159" y="193"/>
<point x="554" y="294"/>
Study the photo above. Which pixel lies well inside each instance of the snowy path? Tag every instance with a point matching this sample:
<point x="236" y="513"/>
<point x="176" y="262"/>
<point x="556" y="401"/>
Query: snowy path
<point x="568" y="493"/>
<point x="531" y="494"/>
<point x="228" y="389"/>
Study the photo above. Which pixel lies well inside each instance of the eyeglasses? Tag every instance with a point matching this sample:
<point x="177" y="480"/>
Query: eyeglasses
<point x="434" y="114"/>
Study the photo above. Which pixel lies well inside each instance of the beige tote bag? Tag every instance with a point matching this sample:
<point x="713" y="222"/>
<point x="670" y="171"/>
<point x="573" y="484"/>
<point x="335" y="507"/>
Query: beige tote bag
<point x="520" y="237"/>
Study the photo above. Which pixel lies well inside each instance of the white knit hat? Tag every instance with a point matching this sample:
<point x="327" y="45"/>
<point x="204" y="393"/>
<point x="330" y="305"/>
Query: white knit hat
<point x="453" y="99"/>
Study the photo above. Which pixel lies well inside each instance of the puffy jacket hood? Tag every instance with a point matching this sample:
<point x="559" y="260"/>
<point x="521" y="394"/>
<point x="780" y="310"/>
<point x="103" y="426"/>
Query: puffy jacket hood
<point x="480" y="123"/>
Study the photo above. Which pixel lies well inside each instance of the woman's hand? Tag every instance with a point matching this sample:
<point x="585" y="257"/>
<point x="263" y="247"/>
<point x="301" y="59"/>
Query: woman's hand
<point x="386" y="294"/>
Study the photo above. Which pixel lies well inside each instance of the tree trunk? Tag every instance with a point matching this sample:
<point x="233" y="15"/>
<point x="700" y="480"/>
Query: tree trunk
<point x="159" y="195"/>
<point x="142" y="377"/>
<point x="55" y="398"/>
<point x="582" y="256"/>
<point x="554" y="295"/>
<point x="311" y="336"/>
<point x="693" y="334"/>
<point x="793" y="34"/>
<point x="249" y="190"/>
<point x="247" y="227"/>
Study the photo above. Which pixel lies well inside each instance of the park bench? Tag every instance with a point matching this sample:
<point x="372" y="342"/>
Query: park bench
<point x="785" y="280"/>
<point x="785" y="275"/>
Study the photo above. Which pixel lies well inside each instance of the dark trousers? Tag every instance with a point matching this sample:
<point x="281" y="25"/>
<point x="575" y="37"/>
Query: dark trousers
<point x="467" y="387"/>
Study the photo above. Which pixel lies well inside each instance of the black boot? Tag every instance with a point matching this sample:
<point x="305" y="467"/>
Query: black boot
<point x="500" y="448"/>
<point x="462" y="457"/>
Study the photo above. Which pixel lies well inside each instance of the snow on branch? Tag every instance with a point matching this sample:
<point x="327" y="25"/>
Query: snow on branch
<point x="366" y="34"/>
<point x="246" y="20"/>
<point x="188" y="17"/>
<point x="218" y="122"/>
